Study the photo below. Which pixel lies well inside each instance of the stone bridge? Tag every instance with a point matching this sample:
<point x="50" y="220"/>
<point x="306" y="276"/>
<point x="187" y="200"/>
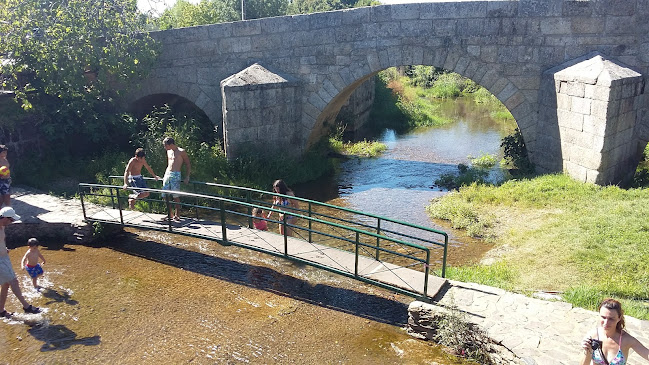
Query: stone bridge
<point x="572" y="72"/>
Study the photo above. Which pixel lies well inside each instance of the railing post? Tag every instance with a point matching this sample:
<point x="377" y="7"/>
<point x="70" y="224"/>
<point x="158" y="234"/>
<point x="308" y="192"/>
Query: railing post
<point x="445" y="252"/>
<point x="356" y="258"/>
<point x="112" y="197"/>
<point x="119" y="206"/>
<point x="310" y="222"/>
<point x="83" y="206"/>
<point x="224" y="227"/>
<point x="249" y="201"/>
<point x="168" y="211"/>
<point x="427" y="272"/>
<point x="378" y="239"/>
<point x="285" y="235"/>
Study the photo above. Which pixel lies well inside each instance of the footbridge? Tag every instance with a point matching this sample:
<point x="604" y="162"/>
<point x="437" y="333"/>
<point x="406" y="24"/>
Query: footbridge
<point x="406" y="258"/>
<point x="572" y="72"/>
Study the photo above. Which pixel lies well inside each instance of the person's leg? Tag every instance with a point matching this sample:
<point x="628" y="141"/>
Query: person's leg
<point x="3" y="296"/>
<point x="6" y="200"/>
<point x="176" y="208"/>
<point x="35" y="281"/>
<point x="15" y="288"/>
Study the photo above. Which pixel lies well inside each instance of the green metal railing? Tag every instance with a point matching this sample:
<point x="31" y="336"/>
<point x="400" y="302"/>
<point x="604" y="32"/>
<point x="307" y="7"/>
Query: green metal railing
<point x="364" y="235"/>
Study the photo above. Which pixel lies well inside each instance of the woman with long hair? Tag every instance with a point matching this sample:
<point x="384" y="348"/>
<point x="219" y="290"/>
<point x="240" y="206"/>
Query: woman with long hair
<point x="284" y="204"/>
<point x="609" y="342"/>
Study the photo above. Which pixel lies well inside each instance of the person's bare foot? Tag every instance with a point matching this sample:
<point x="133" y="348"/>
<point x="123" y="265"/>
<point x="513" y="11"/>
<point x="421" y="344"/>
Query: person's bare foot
<point x="176" y="218"/>
<point x="131" y="203"/>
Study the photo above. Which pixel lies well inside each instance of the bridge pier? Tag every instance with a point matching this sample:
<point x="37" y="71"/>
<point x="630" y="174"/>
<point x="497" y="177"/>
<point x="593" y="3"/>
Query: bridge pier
<point x="590" y="120"/>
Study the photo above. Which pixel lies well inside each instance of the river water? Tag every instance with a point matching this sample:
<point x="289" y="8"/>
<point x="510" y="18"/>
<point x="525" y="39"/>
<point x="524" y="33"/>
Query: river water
<point x="399" y="184"/>
<point x="151" y="297"/>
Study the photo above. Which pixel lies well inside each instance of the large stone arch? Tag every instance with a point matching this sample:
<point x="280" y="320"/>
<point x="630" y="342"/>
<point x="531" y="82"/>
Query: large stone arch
<point x="323" y="105"/>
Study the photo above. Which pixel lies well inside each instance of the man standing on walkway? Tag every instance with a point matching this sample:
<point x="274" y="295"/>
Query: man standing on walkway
<point x="7" y="274"/>
<point x="176" y="157"/>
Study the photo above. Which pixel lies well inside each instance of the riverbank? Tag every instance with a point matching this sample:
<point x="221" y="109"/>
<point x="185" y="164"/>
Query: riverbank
<point x="552" y="233"/>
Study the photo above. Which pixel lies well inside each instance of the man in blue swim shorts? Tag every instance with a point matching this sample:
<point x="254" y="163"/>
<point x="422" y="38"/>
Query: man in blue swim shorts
<point x="176" y="158"/>
<point x="133" y="176"/>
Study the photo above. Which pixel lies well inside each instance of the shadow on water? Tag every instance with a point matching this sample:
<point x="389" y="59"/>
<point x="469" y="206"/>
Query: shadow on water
<point x="59" y="337"/>
<point x="364" y="305"/>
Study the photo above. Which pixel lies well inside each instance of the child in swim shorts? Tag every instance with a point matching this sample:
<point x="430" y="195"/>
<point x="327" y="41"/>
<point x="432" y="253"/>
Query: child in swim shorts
<point x="31" y="261"/>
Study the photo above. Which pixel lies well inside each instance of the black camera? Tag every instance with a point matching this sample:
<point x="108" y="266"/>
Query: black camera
<point x="595" y="344"/>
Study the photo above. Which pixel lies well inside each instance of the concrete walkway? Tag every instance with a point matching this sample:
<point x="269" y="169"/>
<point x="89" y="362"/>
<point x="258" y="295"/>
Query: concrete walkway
<point x="537" y="331"/>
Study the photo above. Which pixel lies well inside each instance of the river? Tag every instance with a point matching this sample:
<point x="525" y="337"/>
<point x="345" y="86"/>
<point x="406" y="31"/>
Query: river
<point x="399" y="183"/>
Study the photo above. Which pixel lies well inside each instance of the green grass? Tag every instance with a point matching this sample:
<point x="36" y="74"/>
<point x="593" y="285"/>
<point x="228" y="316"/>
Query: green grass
<point x="363" y="148"/>
<point x="559" y="234"/>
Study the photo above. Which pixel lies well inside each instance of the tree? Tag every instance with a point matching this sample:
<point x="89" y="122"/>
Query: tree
<point x="186" y="14"/>
<point x="75" y="57"/>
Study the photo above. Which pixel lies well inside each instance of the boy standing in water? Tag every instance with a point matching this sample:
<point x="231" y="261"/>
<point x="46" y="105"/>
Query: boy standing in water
<point x="176" y="158"/>
<point x="7" y="274"/>
<point x="5" y="181"/>
<point x="31" y="261"/>
<point x="133" y="176"/>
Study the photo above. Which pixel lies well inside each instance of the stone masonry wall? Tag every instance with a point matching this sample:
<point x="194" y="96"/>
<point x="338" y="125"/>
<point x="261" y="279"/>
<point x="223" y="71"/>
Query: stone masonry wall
<point x="505" y="46"/>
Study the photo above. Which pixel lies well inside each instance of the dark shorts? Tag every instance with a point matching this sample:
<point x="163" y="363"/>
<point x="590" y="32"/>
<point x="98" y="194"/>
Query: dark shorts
<point x="137" y="181"/>
<point x="5" y="186"/>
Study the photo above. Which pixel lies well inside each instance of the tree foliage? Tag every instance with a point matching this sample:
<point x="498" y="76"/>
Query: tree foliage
<point x="185" y="14"/>
<point x="72" y="48"/>
<point x="72" y="59"/>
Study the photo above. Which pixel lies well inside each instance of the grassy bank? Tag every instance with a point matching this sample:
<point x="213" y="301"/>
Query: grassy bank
<point x="553" y="233"/>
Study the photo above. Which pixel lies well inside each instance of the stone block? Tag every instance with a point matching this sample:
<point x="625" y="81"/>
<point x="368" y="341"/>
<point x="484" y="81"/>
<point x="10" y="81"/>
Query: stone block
<point x="453" y="10"/>
<point x="502" y="9"/>
<point x="381" y="13"/>
<point x="618" y="24"/>
<point x="356" y="16"/>
<point x="328" y="20"/>
<point x="587" y="25"/>
<point x="539" y="8"/>
<point x="247" y="27"/>
<point x="570" y="119"/>
<point x="577" y="8"/>
<point x="413" y="55"/>
<point x="580" y="105"/>
<point x="615" y="7"/>
<point x="461" y="65"/>
<point x="444" y="27"/>
<point x="575" y="170"/>
<point x="555" y="26"/>
<point x="515" y="100"/>
<point x="409" y="12"/>
<point x="417" y="28"/>
<point x="507" y="92"/>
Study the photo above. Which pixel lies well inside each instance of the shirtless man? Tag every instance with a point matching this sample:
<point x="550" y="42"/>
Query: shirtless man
<point x="133" y="176"/>
<point x="7" y="274"/>
<point x="176" y="157"/>
<point x="5" y="182"/>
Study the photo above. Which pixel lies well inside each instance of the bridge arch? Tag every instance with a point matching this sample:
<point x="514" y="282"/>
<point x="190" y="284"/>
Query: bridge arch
<point x="337" y="87"/>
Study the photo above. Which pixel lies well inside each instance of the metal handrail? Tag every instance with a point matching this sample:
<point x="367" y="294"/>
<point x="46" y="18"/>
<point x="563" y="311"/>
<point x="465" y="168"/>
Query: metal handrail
<point x="313" y="202"/>
<point x="406" y="251"/>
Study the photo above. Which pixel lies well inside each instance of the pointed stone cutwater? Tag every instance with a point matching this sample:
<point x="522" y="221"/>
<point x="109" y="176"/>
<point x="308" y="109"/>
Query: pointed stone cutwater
<point x="590" y="120"/>
<point x="260" y="109"/>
